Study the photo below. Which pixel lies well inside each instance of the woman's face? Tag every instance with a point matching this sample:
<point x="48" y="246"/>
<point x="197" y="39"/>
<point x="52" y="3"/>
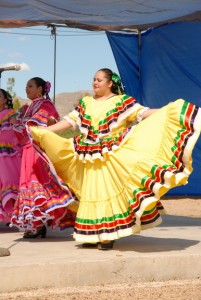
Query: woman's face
<point x="101" y="84"/>
<point x="2" y="101"/>
<point x="32" y="90"/>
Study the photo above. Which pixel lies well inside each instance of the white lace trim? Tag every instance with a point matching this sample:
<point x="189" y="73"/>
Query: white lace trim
<point x="72" y="122"/>
<point x="140" y="114"/>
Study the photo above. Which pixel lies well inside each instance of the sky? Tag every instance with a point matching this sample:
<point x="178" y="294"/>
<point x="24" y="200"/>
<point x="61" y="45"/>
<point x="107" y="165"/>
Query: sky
<point x="79" y="54"/>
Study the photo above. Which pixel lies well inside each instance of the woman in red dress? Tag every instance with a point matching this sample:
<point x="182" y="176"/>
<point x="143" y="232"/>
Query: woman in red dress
<point x="42" y="198"/>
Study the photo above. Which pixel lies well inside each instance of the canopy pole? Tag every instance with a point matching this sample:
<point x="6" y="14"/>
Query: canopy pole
<point x="54" y="35"/>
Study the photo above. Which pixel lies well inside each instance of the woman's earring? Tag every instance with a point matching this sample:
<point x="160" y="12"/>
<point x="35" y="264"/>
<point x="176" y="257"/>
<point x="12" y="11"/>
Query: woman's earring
<point x="119" y="91"/>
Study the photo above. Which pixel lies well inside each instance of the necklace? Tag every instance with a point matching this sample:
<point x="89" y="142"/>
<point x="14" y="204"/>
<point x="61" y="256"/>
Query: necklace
<point x="103" y="98"/>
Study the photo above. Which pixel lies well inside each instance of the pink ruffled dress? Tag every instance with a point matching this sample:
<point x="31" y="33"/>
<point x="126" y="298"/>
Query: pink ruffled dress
<point x="10" y="161"/>
<point x="42" y="198"/>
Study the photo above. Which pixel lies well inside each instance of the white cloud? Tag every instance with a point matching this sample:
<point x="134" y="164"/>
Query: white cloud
<point x="23" y="38"/>
<point x="24" y="67"/>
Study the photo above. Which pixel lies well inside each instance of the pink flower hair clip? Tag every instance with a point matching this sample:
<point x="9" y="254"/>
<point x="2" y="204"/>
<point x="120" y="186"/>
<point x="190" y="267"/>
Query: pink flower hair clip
<point x="47" y="87"/>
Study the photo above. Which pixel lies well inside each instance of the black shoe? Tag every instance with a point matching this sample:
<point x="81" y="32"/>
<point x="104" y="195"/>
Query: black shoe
<point x="39" y="233"/>
<point x="89" y="245"/>
<point x="106" y="246"/>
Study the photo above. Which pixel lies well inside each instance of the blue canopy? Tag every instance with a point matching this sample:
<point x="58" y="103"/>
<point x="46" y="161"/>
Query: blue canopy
<point x="98" y="15"/>
<point x="162" y="65"/>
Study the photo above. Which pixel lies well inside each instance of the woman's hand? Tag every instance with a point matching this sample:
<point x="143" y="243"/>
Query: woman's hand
<point x="42" y="127"/>
<point x="148" y="112"/>
<point x="51" y="121"/>
<point x="59" y="126"/>
<point x="12" y="120"/>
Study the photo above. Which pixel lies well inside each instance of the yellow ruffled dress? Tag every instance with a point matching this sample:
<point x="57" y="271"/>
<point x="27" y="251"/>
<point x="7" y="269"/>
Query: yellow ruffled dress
<point x="118" y="167"/>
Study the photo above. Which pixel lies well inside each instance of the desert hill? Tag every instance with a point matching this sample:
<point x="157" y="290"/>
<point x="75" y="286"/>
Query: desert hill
<point x="64" y="102"/>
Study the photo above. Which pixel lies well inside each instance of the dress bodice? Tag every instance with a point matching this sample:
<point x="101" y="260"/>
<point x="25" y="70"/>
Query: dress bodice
<point x="37" y="113"/>
<point x="103" y="124"/>
<point x="9" y="143"/>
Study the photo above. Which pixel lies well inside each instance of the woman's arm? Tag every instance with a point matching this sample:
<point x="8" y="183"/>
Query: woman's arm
<point x="59" y="126"/>
<point x="148" y="113"/>
<point x="12" y="118"/>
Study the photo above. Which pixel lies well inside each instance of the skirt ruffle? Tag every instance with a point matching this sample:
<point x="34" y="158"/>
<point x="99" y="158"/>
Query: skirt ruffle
<point x="41" y="198"/>
<point x="9" y="185"/>
<point x="121" y="195"/>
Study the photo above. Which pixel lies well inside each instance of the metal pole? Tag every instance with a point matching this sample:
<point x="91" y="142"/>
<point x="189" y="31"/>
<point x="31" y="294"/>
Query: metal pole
<point x="53" y="33"/>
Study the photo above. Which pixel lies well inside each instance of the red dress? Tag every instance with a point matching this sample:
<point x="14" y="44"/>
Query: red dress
<point x="42" y="198"/>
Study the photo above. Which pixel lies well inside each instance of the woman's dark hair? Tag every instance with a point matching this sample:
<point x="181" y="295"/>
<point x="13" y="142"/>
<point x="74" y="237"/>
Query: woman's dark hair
<point x="8" y="97"/>
<point x="117" y="84"/>
<point x="41" y="82"/>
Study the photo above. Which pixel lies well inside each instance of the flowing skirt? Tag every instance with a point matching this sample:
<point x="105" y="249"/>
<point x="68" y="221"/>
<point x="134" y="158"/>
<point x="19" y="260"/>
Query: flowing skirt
<point x="41" y="198"/>
<point x="121" y="195"/>
<point x="9" y="184"/>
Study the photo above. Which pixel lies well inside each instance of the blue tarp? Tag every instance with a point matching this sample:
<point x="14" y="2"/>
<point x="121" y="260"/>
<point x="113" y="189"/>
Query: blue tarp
<point x="98" y="15"/>
<point x="162" y="65"/>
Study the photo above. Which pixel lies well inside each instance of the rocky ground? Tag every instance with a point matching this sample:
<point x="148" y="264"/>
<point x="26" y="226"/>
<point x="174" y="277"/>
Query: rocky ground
<point x="189" y="207"/>
<point x="174" y="290"/>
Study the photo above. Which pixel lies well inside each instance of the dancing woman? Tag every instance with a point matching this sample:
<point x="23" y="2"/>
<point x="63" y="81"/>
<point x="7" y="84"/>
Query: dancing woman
<point x="10" y="158"/>
<point x="125" y="158"/>
<point x="41" y="199"/>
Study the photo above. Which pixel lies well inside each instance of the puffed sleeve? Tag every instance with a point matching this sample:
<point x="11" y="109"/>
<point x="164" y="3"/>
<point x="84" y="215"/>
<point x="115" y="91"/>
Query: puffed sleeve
<point x="137" y="114"/>
<point x="75" y="116"/>
<point x="43" y="114"/>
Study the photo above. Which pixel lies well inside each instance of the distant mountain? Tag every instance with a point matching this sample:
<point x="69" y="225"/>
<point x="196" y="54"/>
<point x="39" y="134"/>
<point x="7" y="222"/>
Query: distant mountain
<point x="64" y="102"/>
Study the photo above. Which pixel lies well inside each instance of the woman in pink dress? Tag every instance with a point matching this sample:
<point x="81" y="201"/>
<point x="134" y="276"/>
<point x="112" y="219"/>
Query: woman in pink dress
<point x="10" y="158"/>
<point x="42" y="199"/>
